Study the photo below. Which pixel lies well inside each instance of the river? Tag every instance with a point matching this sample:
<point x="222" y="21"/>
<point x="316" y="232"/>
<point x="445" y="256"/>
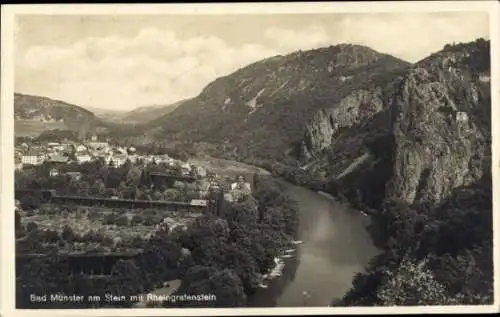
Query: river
<point x="335" y="247"/>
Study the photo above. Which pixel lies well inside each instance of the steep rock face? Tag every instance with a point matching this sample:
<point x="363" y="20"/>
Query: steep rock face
<point x="438" y="145"/>
<point x="427" y="132"/>
<point x="358" y="107"/>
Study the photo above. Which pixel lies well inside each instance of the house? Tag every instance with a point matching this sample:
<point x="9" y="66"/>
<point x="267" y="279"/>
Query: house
<point x="121" y="150"/>
<point x="198" y="202"/>
<point x="228" y="197"/>
<point x="186" y="169"/>
<point x="74" y="175"/>
<point x="98" y="145"/>
<point x="83" y="157"/>
<point x="18" y="163"/>
<point x="53" y="172"/>
<point x="484" y="78"/>
<point x="462" y="116"/>
<point x="118" y="159"/>
<point x="241" y="186"/>
<point x="201" y="171"/>
<point x="133" y="158"/>
<point x="58" y="159"/>
<point x="80" y="148"/>
<point x="33" y="157"/>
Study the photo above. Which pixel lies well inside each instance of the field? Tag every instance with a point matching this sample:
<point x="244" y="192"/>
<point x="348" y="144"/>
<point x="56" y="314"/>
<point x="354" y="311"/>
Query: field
<point x="84" y="220"/>
<point x="226" y="167"/>
<point x="34" y="128"/>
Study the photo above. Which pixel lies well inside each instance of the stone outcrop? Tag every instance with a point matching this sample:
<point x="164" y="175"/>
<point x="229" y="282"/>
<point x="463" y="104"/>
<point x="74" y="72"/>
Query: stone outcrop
<point x="438" y="147"/>
<point x="433" y="129"/>
<point x="328" y="123"/>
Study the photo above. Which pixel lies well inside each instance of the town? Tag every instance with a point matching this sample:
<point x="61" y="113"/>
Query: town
<point x="97" y="206"/>
<point x="86" y="151"/>
<point x="59" y="155"/>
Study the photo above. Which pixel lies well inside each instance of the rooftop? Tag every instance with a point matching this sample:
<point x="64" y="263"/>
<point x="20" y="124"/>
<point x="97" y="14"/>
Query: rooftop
<point x="59" y="159"/>
<point x="33" y="152"/>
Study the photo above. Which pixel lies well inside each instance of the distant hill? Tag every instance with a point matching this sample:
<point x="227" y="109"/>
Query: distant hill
<point x="348" y="112"/>
<point x="262" y="110"/>
<point x="107" y="114"/>
<point x="148" y="113"/>
<point x="35" y="114"/>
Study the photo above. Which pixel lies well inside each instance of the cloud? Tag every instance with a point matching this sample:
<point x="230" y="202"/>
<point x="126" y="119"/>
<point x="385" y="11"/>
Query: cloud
<point x="153" y="67"/>
<point x="412" y="36"/>
<point x="287" y="40"/>
<point x="159" y="66"/>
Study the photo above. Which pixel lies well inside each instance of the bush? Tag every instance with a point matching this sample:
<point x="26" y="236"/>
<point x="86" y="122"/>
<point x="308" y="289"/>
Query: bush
<point x="30" y="202"/>
<point x="121" y="220"/>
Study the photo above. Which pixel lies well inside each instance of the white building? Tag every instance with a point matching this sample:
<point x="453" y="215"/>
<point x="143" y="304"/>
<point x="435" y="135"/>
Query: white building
<point x="18" y="163"/>
<point x="241" y="186"/>
<point x="118" y="159"/>
<point x="33" y="157"/>
<point x="98" y="145"/>
<point x="122" y="150"/>
<point x="198" y="202"/>
<point x="201" y="171"/>
<point x="133" y="158"/>
<point x="83" y="157"/>
<point x="80" y="148"/>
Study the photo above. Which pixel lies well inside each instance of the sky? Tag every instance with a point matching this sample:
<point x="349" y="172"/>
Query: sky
<point x="121" y="62"/>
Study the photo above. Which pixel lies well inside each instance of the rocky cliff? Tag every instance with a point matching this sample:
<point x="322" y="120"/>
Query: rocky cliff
<point x="427" y="131"/>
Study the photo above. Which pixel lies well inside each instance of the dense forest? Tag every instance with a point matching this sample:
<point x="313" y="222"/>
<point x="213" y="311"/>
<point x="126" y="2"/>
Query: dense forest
<point x="432" y="255"/>
<point x="225" y="256"/>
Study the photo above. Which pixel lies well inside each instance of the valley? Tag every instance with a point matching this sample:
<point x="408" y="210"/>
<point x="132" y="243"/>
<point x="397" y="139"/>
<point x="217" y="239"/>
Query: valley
<point x="407" y="143"/>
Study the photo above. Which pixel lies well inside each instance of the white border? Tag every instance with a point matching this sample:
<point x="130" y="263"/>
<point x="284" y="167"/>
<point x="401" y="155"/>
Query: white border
<point x="7" y="301"/>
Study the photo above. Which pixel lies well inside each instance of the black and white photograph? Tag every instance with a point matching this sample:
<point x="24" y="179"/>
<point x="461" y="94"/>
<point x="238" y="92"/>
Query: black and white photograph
<point x="192" y="157"/>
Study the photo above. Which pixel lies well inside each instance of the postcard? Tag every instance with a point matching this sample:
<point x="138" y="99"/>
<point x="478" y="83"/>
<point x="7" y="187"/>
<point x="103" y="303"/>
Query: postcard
<point x="250" y="158"/>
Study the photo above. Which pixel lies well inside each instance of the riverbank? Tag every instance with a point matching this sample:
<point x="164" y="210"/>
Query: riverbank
<point x="336" y="246"/>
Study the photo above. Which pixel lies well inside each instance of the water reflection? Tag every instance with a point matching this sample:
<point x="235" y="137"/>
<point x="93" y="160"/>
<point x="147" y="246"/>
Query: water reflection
<point x="336" y="246"/>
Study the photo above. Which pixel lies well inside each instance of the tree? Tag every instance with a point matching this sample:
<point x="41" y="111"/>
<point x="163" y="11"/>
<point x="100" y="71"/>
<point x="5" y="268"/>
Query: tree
<point x="31" y="227"/>
<point x="126" y="280"/>
<point x="98" y="188"/>
<point x="79" y="188"/>
<point x="109" y="219"/>
<point x="67" y="234"/>
<point x="42" y="275"/>
<point x="160" y="257"/>
<point x="134" y="175"/>
<point x="228" y="289"/>
<point x="412" y="284"/>
<point x="172" y="194"/>
<point x="30" y="202"/>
